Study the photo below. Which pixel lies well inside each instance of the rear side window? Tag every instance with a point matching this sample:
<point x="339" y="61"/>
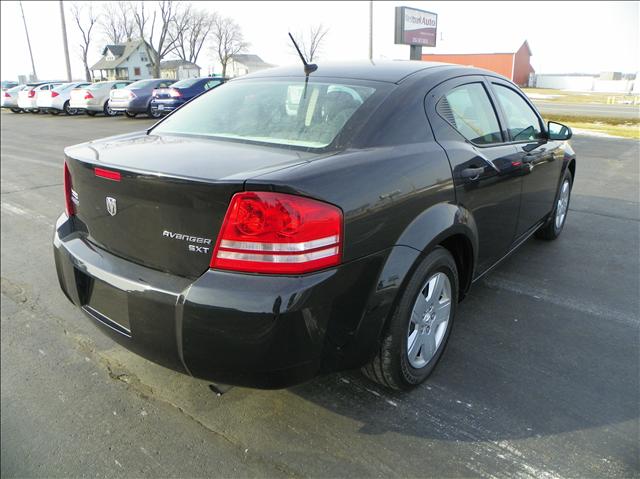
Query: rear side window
<point x="468" y="109"/>
<point x="522" y="122"/>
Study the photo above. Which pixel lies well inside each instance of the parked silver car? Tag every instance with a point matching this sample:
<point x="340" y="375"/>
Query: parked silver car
<point x="57" y="100"/>
<point x="94" y="98"/>
<point x="9" y="98"/>
<point x="27" y="96"/>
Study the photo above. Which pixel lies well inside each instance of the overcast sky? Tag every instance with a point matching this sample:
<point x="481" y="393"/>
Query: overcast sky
<point x="587" y="37"/>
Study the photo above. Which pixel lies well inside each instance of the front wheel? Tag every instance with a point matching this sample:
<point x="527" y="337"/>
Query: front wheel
<point x="108" y="111"/>
<point x="68" y="110"/>
<point x="420" y="325"/>
<point x="153" y="113"/>
<point x="555" y="224"/>
<point x="16" y="110"/>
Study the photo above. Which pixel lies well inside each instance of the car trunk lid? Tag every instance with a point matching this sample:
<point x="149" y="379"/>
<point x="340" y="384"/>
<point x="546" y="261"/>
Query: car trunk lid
<point x="160" y="201"/>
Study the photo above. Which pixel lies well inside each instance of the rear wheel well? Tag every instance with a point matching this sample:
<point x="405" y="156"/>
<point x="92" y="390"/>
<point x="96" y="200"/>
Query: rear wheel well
<point x="572" y="169"/>
<point x="462" y="251"/>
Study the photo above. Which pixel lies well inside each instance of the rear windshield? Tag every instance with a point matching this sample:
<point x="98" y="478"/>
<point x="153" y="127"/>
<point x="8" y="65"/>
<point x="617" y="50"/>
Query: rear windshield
<point x="16" y="88"/>
<point x="186" y="83"/>
<point x="95" y="86"/>
<point x="140" y="84"/>
<point x="265" y="111"/>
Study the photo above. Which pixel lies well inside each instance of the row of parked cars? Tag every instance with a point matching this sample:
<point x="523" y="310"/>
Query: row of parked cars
<point x="153" y="97"/>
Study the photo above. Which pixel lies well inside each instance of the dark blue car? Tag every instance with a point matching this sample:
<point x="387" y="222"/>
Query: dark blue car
<point x="166" y="100"/>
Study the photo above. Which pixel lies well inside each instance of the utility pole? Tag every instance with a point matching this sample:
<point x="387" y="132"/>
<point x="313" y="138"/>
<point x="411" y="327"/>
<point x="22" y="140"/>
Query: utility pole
<point x="64" y="41"/>
<point x="33" y="65"/>
<point x="370" y="29"/>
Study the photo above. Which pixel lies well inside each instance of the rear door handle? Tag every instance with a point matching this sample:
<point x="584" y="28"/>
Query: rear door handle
<point x="471" y="173"/>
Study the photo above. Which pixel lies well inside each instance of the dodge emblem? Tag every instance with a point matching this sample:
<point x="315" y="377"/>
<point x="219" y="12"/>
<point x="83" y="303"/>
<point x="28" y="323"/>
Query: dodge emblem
<point x="112" y="208"/>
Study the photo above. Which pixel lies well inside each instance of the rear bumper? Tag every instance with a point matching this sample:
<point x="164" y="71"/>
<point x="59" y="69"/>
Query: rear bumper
<point x="242" y="329"/>
<point x="166" y="105"/>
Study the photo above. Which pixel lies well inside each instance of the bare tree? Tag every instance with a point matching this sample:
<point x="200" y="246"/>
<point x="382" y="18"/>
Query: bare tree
<point x="154" y="27"/>
<point x="191" y="27"/>
<point x="227" y="40"/>
<point x="311" y="43"/>
<point x="117" y="21"/>
<point x="85" y="19"/>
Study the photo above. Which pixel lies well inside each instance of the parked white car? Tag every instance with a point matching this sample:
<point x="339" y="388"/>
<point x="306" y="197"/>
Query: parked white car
<point x="27" y="97"/>
<point x="94" y="98"/>
<point x="56" y="100"/>
<point x="10" y="98"/>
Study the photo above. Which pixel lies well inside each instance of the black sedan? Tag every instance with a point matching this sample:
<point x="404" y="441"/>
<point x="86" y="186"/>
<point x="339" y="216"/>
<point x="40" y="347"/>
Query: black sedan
<point x="283" y="226"/>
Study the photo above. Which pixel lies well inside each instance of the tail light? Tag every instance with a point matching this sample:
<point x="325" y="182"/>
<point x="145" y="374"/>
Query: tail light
<point x="173" y="93"/>
<point x="32" y="93"/>
<point x="277" y="233"/>
<point x="70" y="196"/>
<point x="6" y="95"/>
<point x="88" y="96"/>
<point x="54" y="94"/>
<point x="131" y="95"/>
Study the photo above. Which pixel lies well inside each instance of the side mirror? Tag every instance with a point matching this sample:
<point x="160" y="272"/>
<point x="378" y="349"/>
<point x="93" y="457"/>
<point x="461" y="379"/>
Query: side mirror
<point x="558" y="131"/>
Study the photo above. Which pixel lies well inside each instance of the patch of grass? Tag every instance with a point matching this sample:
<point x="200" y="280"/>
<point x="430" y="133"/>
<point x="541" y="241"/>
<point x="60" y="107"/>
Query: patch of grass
<point x="563" y="96"/>
<point x="592" y="119"/>
<point x="624" y="128"/>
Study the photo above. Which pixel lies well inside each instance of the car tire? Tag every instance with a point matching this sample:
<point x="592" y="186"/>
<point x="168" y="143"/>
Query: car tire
<point x="400" y="362"/>
<point x="130" y="115"/>
<point x="558" y="217"/>
<point x="16" y="110"/>
<point x="153" y="114"/>
<point x="91" y="113"/>
<point x="108" y="111"/>
<point x="68" y="110"/>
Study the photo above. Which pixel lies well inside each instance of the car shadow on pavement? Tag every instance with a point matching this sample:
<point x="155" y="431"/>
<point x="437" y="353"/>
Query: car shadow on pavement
<point x="519" y="364"/>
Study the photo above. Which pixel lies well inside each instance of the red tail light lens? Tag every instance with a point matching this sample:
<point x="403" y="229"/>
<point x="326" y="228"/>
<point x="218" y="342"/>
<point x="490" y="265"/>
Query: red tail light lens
<point x="277" y="233"/>
<point x="174" y="93"/>
<point x="88" y="96"/>
<point x="131" y="95"/>
<point x="32" y="93"/>
<point x="54" y="94"/>
<point x="108" y="174"/>
<point x="70" y="196"/>
<point x="6" y="95"/>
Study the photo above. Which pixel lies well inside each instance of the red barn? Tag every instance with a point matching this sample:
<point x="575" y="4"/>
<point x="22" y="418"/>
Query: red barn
<point x="514" y="65"/>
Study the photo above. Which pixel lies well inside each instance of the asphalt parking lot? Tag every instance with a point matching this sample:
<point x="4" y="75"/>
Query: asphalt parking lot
<point x="540" y="378"/>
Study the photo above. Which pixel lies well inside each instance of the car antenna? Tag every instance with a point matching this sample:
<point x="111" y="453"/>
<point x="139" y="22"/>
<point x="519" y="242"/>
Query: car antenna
<point x="308" y="67"/>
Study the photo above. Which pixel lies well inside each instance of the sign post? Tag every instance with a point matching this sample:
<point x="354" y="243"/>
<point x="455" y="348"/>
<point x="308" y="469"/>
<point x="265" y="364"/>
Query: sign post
<point x="417" y="28"/>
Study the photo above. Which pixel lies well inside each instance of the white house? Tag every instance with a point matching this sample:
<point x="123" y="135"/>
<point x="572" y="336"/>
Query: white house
<point x="242" y="64"/>
<point x="126" y="61"/>
<point x="179" y="69"/>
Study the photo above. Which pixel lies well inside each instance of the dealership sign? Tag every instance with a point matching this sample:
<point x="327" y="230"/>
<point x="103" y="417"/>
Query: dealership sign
<point x="416" y="27"/>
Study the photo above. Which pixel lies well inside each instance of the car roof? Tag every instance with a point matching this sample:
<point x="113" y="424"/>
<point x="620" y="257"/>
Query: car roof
<point x="392" y="71"/>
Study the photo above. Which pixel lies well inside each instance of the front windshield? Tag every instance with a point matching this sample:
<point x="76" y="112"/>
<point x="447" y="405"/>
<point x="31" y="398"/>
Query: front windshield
<point x="279" y="112"/>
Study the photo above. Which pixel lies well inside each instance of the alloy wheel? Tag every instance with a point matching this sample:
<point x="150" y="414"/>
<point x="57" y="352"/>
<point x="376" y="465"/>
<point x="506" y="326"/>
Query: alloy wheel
<point x="563" y="204"/>
<point x="429" y="319"/>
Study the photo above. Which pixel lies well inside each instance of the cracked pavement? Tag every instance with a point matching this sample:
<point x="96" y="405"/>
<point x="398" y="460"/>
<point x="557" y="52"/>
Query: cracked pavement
<point x="540" y="379"/>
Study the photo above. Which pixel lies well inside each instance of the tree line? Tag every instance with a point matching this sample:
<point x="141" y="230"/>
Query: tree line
<point x="168" y="27"/>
